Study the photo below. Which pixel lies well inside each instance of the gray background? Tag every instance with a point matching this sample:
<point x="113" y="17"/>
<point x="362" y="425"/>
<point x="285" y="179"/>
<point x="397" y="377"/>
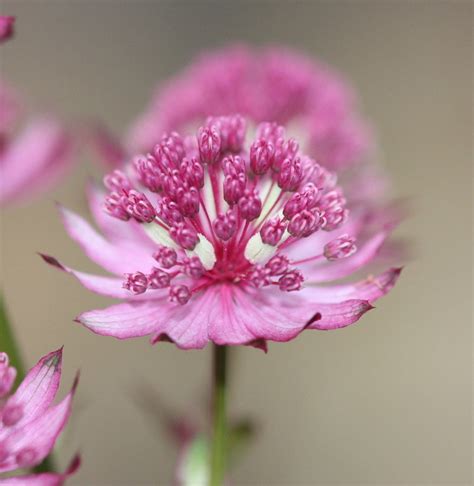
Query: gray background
<point x="387" y="401"/>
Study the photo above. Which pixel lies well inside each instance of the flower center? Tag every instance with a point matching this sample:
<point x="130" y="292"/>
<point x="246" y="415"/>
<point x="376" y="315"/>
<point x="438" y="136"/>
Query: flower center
<point x="221" y="210"/>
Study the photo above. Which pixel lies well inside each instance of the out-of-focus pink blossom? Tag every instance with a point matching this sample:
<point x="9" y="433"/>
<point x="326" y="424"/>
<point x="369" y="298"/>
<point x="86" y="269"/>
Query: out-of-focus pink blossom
<point x="271" y="84"/>
<point x="33" y="159"/>
<point x="6" y="27"/>
<point x="29" y="421"/>
<point x="256" y="242"/>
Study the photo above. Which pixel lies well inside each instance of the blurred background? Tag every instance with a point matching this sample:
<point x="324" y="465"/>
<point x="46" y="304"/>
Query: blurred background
<point x="387" y="401"/>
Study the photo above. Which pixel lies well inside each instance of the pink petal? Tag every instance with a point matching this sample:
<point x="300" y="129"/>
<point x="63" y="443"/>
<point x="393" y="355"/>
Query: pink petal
<point x="371" y="288"/>
<point x="187" y="326"/>
<point x="37" y="391"/>
<point x="39" y="435"/>
<point x="108" y="286"/>
<point x="43" y="479"/>
<point x="241" y="317"/>
<point x="127" y="320"/>
<point x="335" y="316"/>
<point x="34" y="160"/>
<point x="343" y="268"/>
<point x="114" y="258"/>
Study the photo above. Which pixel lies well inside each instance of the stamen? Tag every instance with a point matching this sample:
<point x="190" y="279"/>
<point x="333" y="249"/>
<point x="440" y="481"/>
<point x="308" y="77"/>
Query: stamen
<point x="225" y="225"/>
<point x="158" y="279"/>
<point x="180" y="294"/>
<point x="209" y="144"/>
<point x="166" y="257"/>
<point x="136" y="282"/>
<point x="341" y="247"/>
<point x="139" y="207"/>
<point x="272" y="231"/>
<point x="291" y="281"/>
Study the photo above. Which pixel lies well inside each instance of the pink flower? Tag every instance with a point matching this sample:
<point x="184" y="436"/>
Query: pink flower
<point x="6" y="27"/>
<point x="29" y="422"/>
<point x="250" y="280"/>
<point x="274" y="84"/>
<point x="35" y="158"/>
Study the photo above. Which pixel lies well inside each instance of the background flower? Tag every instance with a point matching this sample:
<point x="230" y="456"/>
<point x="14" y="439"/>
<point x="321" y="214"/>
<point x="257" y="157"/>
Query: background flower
<point x="30" y="423"/>
<point x="35" y="158"/>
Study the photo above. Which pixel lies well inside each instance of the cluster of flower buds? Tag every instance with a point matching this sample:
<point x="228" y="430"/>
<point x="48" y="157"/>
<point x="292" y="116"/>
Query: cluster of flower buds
<point x="215" y="191"/>
<point x="159" y="278"/>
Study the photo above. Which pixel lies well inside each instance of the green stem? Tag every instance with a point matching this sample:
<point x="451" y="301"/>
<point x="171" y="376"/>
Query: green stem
<point x="219" y="437"/>
<point x="8" y="344"/>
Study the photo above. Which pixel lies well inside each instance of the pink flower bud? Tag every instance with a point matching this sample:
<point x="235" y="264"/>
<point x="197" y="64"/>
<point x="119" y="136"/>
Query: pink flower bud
<point x="192" y="172"/>
<point x="233" y="165"/>
<point x="113" y="205"/>
<point x="188" y="201"/>
<point x="209" y="143"/>
<point x="225" y="225"/>
<point x="166" y="257"/>
<point x="261" y="156"/>
<point x="139" y="207"/>
<point x="168" y="211"/>
<point x="283" y="151"/>
<point x="158" y="279"/>
<point x="136" y="282"/>
<point x="185" y="235"/>
<point x="180" y="294"/>
<point x="250" y="205"/>
<point x="169" y="152"/>
<point x="234" y="187"/>
<point x="341" y="247"/>
<point x="291" y="174"/>
<point x="333" y="205"/>
<point x="117" y="181"/>
<point x="259" y="276"/>
<point x="149" y="172"/>
<point x="193" y="267"/>
<point x="278" y="265"/>
<point x="272" y="231"/>
<point x="305" y="223"/>
<point x="291" y="281"/>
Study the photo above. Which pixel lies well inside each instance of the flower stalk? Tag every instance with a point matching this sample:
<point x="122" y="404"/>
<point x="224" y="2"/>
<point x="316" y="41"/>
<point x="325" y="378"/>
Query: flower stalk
<point x="8" y="343"/>
<point x="219" y="432"/>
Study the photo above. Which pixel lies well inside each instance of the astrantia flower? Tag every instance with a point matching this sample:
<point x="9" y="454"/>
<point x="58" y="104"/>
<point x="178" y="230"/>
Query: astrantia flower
<point x="32" y="160"/>
<point x="224" y="238"/>
<point x="29" y="421"/>
<point x="271" y="84"/>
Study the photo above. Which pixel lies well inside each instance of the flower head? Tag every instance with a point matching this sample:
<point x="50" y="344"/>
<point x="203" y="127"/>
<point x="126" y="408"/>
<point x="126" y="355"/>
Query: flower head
<point x="34" y="159"/>
<point x="29" y="421"/>
<point x="205" y="248"/>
